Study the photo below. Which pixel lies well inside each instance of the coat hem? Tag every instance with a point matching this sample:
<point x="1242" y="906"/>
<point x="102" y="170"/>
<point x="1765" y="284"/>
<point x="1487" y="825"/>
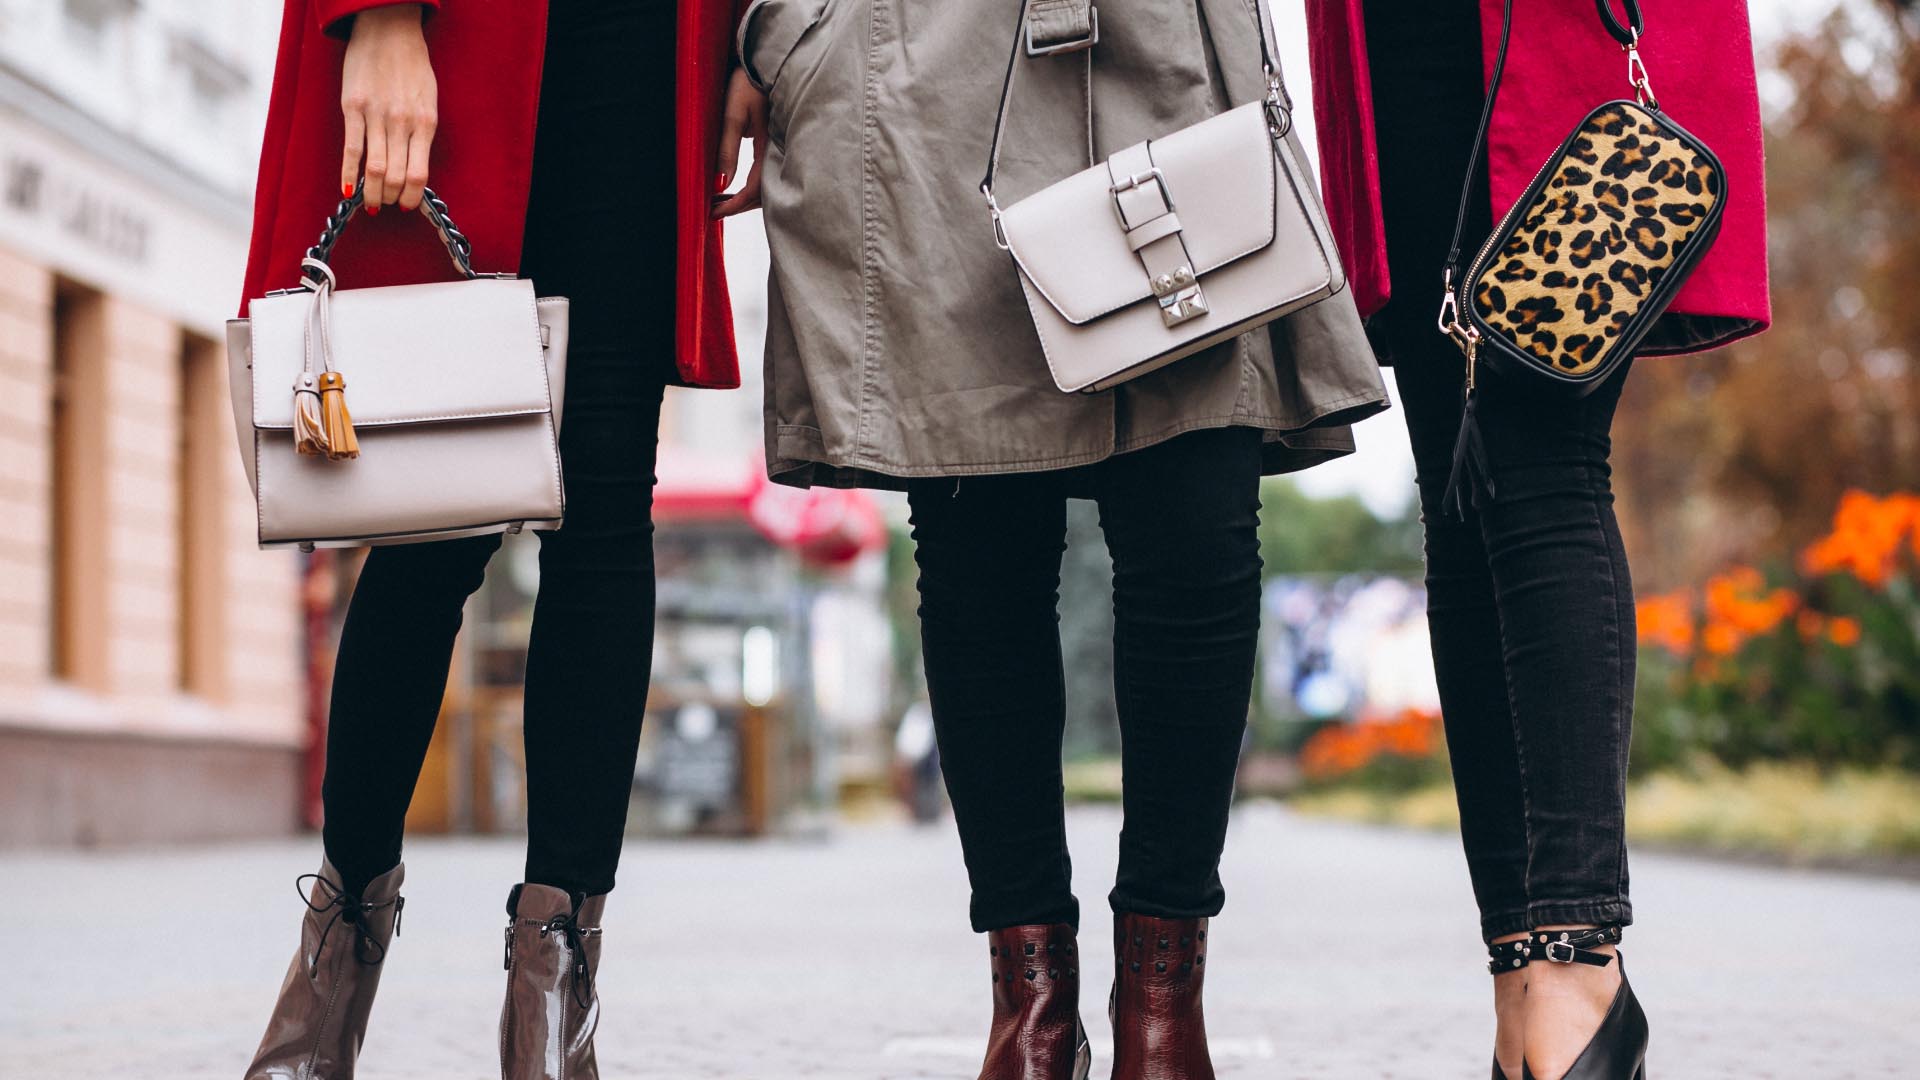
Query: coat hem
<point x="799" y="457"/>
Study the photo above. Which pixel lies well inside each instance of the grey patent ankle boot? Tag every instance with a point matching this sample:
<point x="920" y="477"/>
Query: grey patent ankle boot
<point x="551" y="1011"/>
<point x="320" y="1018"/>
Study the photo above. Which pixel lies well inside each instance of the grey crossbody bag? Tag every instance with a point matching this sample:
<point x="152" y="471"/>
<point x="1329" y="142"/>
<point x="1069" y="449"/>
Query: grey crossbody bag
<point x="1171" y="245"/>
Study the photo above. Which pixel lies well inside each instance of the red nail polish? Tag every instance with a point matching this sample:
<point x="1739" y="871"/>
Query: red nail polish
<point x="346" y="191"/>
<point x="373" y="209"/>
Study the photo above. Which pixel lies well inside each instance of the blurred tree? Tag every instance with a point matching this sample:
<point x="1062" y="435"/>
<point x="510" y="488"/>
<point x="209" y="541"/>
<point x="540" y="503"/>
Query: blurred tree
<point x="1086" y="634"/>
<point x="1301" y="534"/>
<point x="1741" y="455"/>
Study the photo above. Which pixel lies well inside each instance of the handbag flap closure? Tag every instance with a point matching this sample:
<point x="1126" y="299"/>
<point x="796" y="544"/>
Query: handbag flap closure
<point x="410" y="354"/>
<point x="1218" y="176"/>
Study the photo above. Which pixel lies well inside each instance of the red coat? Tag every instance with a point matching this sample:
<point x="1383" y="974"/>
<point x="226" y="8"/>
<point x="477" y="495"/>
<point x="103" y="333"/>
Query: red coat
<point x="487" y="58"/>
<point x="1699" y="54"/>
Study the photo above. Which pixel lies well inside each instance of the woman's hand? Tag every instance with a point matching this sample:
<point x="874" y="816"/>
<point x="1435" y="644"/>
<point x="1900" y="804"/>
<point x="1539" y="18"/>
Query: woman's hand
<point x="391" y="104"/>
<point x="745" y="118"/>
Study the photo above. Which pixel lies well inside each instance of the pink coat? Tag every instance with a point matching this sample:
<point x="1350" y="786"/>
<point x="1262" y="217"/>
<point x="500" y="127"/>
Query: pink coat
<point x="1562" y="63"/>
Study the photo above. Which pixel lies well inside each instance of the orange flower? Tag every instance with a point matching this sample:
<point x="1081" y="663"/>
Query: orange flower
<point x="1721" y="639"/>
<point x="1866" y="537"/>
<point x="1667" y="621"/>
<point x="1338" y="749"/>
<point x="1844" y="631"/>
<point x="1739" y="607"/>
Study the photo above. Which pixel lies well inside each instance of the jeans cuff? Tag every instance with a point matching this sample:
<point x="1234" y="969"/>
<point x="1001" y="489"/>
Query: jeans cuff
<point x="986" y="918"/>
<point x="1580" y="913"/>
<point x="1496" y="924"/>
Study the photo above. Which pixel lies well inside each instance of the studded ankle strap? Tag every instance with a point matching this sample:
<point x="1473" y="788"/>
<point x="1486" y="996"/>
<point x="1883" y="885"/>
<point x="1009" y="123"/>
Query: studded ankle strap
<point x="1575" y="946"/>
<point x="1506" y="956"/>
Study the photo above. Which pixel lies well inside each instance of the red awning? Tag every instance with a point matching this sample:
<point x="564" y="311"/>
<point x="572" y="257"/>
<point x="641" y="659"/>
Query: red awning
<point x="825" y="525"/>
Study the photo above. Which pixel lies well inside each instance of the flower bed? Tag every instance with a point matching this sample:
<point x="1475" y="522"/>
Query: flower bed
<point x="1817" y="662"/>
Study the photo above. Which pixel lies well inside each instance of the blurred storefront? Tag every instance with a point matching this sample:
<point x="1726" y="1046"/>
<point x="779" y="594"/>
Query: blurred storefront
<point x="162" y="679"/>
<point x="1344" y="647"/>
<point x="150" y="665"/>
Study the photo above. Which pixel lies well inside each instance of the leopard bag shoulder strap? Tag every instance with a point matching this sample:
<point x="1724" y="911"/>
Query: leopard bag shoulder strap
<point x="1470" y="481"/>
<point x="1628" y="35"/>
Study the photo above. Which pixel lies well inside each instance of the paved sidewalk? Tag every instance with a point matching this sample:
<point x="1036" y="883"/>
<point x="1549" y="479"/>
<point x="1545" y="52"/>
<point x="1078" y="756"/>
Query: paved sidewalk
<point x="1344" y="952"/>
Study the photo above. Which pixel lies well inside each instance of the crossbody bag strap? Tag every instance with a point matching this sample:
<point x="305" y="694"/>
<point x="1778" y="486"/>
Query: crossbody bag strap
<point x="1050" y="27"/>
<point x="1628" y="35"/>
<point x="1046" y="28"/>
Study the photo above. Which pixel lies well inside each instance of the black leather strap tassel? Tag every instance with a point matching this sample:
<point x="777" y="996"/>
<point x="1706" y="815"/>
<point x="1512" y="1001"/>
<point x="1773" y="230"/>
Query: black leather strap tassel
<point x="1471" y="481"/>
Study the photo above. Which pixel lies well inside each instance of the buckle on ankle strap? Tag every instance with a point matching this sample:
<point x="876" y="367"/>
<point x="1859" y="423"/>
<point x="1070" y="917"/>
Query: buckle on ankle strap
<point x="1561" y="952"/>
<point x="1576" y="946"/>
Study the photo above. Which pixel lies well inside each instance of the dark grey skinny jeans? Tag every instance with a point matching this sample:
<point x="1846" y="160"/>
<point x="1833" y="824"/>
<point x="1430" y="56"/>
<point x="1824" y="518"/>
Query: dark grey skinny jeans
<point x="1529" y="599"/>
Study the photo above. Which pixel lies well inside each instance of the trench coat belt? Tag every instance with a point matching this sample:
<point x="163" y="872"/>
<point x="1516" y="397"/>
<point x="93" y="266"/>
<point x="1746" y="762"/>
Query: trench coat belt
<point x="1056" y="26"/>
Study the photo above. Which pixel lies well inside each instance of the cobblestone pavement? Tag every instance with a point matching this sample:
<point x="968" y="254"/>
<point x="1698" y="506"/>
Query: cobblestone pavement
<point x="1344" y="952"/>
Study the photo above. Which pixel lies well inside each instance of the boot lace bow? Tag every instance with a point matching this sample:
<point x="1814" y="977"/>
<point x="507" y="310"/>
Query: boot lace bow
<point x="354" y="911"/>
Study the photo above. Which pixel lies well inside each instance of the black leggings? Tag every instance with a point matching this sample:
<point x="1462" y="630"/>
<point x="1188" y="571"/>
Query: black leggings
<point x="1181" y="520"/>
<point x="1529" y="599"/>
<point x="605" y="109"/>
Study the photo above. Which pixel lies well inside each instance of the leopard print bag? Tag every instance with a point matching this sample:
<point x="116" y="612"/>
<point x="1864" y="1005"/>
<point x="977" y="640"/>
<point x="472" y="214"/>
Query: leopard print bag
<point x="1575" y="277"/>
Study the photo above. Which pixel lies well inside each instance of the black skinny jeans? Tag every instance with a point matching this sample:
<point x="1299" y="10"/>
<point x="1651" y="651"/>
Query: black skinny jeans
<point x="1529" y="599"/>
<point x="605" y="110"/>
<point x="1181" y="520"/>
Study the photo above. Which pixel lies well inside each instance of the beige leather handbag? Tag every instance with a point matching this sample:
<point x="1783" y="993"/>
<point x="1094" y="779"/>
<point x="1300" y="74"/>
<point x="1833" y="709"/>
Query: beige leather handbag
<point x="1171" y="245"/>
<point x="456" y="390"/>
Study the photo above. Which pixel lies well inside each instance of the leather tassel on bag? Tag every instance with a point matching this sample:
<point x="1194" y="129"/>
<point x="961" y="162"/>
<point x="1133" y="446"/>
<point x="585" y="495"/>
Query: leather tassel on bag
<point x="336" y="424"/>
<point x="321" y="424"/>
<point x="1471" y="481"/>
<point x="309" y="431"/>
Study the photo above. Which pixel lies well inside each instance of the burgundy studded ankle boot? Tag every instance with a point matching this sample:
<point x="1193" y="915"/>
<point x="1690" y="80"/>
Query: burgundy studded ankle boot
<point x="1037" y="1034"/>
<point x="1159" y="1031"/>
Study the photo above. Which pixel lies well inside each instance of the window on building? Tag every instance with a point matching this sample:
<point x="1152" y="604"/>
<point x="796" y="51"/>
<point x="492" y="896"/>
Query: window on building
<point x="214" y="80"/>
<point x="206" y="451"/>
<point x="79" y="625"/>
<point x="90" y="22"/>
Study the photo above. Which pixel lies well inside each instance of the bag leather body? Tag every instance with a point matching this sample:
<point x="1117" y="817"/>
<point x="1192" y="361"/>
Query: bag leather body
<point x="1574" y="281"/>
<point x="1574" y="278"/>
<point x="455" y="390"/>
<point x="1171" y="245"/>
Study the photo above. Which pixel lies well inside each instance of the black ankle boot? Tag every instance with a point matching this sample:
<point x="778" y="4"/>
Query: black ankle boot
<point x="1619" y="1048"/>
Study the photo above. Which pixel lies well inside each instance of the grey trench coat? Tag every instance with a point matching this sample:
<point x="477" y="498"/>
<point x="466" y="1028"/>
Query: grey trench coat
<point x="898" y="343"/>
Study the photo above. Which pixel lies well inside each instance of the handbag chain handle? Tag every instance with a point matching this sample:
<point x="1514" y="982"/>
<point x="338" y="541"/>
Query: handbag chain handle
<point x="1279" y="104"/>
<point x="322" y="425"/>
<point x="432" y="206"/>
<point x="1628" y="35"/>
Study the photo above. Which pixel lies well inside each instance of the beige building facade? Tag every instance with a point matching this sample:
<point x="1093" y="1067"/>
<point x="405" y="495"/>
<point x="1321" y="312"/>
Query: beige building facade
<point x="152" y="671"/>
